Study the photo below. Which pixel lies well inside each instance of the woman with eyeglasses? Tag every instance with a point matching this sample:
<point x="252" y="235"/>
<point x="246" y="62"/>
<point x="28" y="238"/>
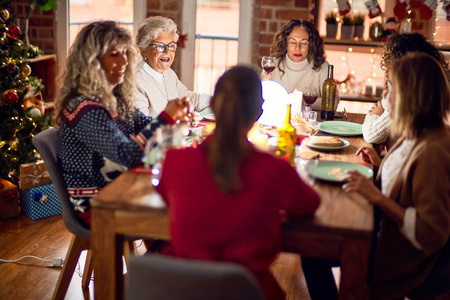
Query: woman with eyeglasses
<point x="156" y="82"/>
<point x="301" y="63"/>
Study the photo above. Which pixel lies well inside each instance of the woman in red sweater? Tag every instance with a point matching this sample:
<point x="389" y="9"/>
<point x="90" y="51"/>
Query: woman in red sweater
<point x="227" y="200"/>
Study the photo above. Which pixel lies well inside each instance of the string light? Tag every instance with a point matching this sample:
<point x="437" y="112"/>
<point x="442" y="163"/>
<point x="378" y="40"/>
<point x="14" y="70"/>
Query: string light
<point x="350" y="49"/>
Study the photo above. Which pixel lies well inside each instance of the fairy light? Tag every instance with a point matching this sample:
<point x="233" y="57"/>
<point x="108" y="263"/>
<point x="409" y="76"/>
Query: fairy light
<point x="343" y="57"/>
<point x="350" y="49"/>
<point x="352" y="72"/>
<point x="372" y="50"/>
<point x="374" y="74"/>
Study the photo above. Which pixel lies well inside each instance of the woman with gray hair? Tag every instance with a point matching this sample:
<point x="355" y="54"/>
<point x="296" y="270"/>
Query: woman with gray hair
<point x="156" y="82"/>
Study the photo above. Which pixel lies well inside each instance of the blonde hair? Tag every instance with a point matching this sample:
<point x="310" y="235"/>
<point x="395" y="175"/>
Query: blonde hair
<point x="236" y="104"/>
<point x="422" y="98"/>
<point x="83" y="74"/>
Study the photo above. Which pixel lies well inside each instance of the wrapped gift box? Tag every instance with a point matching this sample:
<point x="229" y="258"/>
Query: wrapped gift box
<point x="33" y="174"/>
<point x="40" y="202"/>
<point x="9" y="200"/>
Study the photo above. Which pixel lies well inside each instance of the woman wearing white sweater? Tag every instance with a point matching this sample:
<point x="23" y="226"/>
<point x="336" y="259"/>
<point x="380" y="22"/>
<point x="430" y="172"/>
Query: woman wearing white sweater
<point x="156" y="82"/>
<point x="301" y="63"/>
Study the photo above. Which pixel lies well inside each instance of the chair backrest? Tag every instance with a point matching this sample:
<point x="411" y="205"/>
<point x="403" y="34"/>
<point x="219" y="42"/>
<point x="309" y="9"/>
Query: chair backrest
<point x="47" y="144"/>
<point x="160" y="277"/>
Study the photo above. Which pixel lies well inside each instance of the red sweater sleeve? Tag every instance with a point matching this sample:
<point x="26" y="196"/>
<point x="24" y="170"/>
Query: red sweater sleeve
<point x="299" y="199"/>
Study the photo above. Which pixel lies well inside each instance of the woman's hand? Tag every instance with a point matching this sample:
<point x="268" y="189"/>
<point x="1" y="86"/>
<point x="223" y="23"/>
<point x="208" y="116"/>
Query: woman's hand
<point x="376" y="109"/>
<point x="194" y="118"/>
<point x="369" y="155"/>
<point x="178" y="109"/>
<point x="265" y="76"/>
<point x="356" y="182"/>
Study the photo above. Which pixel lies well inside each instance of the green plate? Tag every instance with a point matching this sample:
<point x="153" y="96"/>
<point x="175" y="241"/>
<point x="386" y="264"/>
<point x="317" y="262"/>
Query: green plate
<point x="341" y="128"/>
<point x="335" y="170"/>
<point x="316" y="147"/>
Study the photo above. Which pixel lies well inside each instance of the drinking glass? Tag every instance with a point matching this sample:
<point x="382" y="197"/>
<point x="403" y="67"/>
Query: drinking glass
<point x="306" y="169"/>
<point x="268" y="63"/>
<point x="309" y="96"/>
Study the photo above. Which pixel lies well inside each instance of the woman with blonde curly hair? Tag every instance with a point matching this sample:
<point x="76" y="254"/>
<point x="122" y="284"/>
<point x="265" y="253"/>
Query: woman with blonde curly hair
<point x="101" y="132"/>
<point x="299" y="50"/>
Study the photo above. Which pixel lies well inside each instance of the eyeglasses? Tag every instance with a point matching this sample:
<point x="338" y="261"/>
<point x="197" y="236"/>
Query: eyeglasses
<point x="161" y="47"/>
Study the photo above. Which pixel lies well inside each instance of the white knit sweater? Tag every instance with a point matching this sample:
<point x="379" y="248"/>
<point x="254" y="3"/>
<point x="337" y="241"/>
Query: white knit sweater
<point x="299" y="75"/>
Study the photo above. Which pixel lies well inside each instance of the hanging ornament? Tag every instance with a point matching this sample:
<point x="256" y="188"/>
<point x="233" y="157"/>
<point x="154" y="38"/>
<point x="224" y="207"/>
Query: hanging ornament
<point x="373" y="7"/>
<point x="13" y="32"/>
<point x="25" y="70"/>
<point x="10" y="96"/>
<point x="344" y="7"/>
<point x="427" y="8"/>
<point x="400" y="10"/>
<point x="10" y="67"/>
<point x="446" y="8"/>
<point x="4" y="13"/>
<point x="15" y="71"/>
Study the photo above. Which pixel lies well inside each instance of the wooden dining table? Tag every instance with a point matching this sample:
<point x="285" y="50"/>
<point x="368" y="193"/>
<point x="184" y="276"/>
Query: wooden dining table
<point x="341" y="228"/>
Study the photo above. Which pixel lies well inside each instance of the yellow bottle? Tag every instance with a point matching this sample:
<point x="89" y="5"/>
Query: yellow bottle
<point x="287" y="139"/>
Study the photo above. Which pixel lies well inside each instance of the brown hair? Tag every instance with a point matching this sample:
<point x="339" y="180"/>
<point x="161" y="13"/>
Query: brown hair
<point x="316" y="52"/>
<point x="422" y="98"/>
<point x="401" y="43"/>
<point x="236" y="104"/>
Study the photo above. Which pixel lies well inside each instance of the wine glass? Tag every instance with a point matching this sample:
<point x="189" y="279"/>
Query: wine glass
<point x="309" y="96"/>
<point x="268" y="63"/>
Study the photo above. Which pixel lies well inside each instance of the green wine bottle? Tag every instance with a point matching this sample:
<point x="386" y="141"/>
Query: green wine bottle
<point x="287" y="139"/>
<point x="329" y="91"/>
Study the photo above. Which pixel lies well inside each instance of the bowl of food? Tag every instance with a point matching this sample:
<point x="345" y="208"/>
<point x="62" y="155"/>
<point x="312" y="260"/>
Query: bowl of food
<point x="305" y="127"/>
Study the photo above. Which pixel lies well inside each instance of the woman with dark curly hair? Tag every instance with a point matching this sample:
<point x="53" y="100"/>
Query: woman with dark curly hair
<point x="298" y="48"/>
<point x="377" y="124"/>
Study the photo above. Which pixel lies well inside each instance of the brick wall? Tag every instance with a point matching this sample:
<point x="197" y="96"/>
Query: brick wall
<point x="269" y="16"/>
<point x="42" y="24"/>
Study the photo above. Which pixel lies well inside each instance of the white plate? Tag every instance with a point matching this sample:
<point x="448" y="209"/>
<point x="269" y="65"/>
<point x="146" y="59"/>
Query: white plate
<point x="317" y="147"/>
<point x="210" y="117"/>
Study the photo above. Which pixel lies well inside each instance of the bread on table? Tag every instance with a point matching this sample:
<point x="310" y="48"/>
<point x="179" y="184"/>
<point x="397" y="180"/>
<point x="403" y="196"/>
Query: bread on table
<point x="326" y="141"/>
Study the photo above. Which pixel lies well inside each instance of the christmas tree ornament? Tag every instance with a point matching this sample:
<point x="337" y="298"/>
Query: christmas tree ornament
<point x="25" y="70"/>
<point x="427" y="8"/>
<point x="10" y="96"/>
<point x="344" y="7"/>
<point x="10" y="67"/>
<point x="4" y="13"/>
<point x="374" y="8"/>
<point x="15" y="71"/>
<point x="400" y="10"/>
<point x="446" y="8"/>
<point x="13" y="32"/>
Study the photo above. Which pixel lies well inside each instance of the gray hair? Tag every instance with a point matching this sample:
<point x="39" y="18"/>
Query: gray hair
<point x="152" y="27"/>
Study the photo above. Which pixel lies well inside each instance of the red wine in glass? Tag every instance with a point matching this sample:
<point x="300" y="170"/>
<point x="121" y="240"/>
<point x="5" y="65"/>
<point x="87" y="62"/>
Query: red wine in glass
<point x="268" y="64"/>
<point x="309" y="98"/>
<point x="269" y="69"/>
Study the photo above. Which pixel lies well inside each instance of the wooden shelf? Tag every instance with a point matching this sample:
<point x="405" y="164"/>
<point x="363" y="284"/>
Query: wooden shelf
<point x="44" y="67"/>
<point x="359" y="98"/>
<point x="351" y="42"/>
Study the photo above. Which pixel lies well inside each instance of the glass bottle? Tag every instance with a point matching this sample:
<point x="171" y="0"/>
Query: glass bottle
<point x="287" y="139"/>
<point x="329" y="91"/>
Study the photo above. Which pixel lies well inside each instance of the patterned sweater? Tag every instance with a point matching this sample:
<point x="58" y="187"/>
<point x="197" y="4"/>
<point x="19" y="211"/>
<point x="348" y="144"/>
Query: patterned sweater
<point x="96" y="147"/>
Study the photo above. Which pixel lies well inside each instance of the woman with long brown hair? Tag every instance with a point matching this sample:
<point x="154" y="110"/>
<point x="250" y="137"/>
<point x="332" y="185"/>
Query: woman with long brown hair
<point x="300" y="55"/>
<point x="225" y="196"/>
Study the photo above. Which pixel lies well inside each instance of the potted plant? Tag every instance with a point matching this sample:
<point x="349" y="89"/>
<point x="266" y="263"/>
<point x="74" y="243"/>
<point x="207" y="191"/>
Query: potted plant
<point x="358" y="21"/>
<point x="332" y="24"/>
<point x="347" y="28"/>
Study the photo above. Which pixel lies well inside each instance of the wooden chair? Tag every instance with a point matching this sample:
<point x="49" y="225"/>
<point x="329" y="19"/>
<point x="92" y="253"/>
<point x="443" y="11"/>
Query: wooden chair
<point x="47" y="144"/>
<point x="169" y="278"/>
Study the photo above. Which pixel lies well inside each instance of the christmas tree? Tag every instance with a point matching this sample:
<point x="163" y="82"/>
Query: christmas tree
<point x="21" y="114"/>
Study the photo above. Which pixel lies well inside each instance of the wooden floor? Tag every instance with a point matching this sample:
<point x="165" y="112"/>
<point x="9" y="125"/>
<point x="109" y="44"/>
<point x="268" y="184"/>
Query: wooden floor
<point x="48" y="238"/>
